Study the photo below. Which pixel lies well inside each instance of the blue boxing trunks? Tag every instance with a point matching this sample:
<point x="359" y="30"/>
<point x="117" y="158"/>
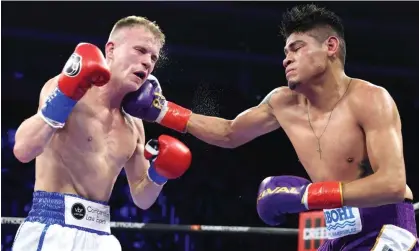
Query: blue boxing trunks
<point x="389" y="227"/>
<point x="65" y="222"/>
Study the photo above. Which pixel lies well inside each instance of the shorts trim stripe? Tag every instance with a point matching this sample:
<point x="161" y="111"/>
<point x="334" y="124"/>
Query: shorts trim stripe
<point x="413" y="245"/>
<point x="378" y="238"/>
<point x="17" y="234"/>
<point x="41" y="239"/>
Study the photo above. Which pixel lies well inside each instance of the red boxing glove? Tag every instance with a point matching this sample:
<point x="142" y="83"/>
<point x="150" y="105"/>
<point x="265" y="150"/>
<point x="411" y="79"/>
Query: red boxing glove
<point x="323" y="195"/>
<point x="170" y="158"/>
<point x="86" y="67"/>
<point x="175" y="117"/>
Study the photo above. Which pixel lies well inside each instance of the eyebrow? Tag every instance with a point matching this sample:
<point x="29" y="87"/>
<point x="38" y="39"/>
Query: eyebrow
<point x="291" y="45"/>
<point x="157" y="55"/>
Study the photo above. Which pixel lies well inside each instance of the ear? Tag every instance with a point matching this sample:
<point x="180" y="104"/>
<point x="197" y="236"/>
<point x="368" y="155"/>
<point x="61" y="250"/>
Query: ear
<point x="333" y="45"/>
<point x="109" y="49"/>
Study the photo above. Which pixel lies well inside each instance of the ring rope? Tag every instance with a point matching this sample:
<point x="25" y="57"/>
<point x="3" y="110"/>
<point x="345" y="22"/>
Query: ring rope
<point x="190" y="228"/>
<point x="181" y="228"/>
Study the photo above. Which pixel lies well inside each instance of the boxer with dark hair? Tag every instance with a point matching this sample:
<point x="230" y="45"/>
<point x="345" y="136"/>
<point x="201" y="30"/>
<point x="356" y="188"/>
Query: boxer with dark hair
<point x="346" y="133"/>
<point x="81" y="139"/>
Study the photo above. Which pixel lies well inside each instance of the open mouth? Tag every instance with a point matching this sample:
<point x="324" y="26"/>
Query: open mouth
<point x="140" y="74"/>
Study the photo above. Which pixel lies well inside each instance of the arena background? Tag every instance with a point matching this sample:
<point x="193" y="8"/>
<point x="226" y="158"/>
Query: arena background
<point x="223" y="57"/>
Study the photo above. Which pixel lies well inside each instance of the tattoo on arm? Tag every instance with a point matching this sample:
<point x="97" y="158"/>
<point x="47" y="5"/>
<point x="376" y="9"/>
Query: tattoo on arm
<point x="267" y="99"/>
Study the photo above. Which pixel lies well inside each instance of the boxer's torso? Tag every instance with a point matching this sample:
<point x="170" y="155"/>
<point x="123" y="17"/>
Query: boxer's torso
<point x="87" y="155"/>
<point x="343" y="145"/>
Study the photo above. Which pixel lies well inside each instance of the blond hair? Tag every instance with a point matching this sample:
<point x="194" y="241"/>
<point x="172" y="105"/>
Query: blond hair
<point x="131" y="21"/>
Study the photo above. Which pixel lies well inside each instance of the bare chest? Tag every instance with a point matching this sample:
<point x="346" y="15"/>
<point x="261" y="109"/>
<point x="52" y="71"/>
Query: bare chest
<point x="329" y="146"/>
<point x="100" y="135"/>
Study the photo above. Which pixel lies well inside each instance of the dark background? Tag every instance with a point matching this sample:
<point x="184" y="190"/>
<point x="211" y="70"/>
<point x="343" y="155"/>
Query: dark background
<point x="223" y="57"/>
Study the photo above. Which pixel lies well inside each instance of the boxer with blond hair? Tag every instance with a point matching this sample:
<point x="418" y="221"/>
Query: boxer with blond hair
<point x="81" y="139"/>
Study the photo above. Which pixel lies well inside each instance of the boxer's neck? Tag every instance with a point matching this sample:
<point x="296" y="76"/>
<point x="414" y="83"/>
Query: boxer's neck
<point x="323" y="92"/>
<point x="109" y="95"/>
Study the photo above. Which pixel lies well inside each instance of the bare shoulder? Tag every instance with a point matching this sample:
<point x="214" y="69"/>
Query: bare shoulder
<point x="364" y="94"/>
<point x="368" y="100"/>
<point x="279" y="97"/>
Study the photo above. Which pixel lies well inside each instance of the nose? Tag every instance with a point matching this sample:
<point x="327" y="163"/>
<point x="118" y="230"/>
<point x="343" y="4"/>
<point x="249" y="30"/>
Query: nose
<point x="146" y="62"/>
<point x="287" y="61"/>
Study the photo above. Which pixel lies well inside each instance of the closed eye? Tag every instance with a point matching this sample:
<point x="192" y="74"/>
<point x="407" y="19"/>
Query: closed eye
<point x="294" y="46"/>
<point x="141" y="49"/>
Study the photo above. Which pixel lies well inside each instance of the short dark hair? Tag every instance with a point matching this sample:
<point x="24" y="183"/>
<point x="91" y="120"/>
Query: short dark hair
<point x="304" y="18"/>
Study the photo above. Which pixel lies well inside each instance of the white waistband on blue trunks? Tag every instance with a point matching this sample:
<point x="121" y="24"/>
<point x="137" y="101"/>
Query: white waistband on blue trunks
<point x="70" y="210"/>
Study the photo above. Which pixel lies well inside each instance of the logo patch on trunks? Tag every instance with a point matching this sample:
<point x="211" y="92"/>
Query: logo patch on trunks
<point x="86" y="214"/>
<point x="78" y="211"/>
<point x="342" y="221"/>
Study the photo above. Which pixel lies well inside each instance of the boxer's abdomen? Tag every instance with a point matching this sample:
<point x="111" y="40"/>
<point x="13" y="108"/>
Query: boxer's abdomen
<point x="87" y="155"/>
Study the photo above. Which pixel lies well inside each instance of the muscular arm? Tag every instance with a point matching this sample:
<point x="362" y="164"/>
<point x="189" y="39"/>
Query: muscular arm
<point x="34" y="133"/>
<point x="248" y="125"/>
<point x="381" y="123"/>
<point x="143" y="191"/>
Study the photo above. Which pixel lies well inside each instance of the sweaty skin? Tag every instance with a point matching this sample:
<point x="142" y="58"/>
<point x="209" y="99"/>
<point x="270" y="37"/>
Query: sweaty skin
<point x="344" y="148"/>
<point x="362" y="144"/>
<point x="343" y="144"/>
<point x="87" y="155"/>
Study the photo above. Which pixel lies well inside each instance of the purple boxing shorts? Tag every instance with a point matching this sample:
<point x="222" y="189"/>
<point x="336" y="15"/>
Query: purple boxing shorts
<point x="385" y="228"/>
